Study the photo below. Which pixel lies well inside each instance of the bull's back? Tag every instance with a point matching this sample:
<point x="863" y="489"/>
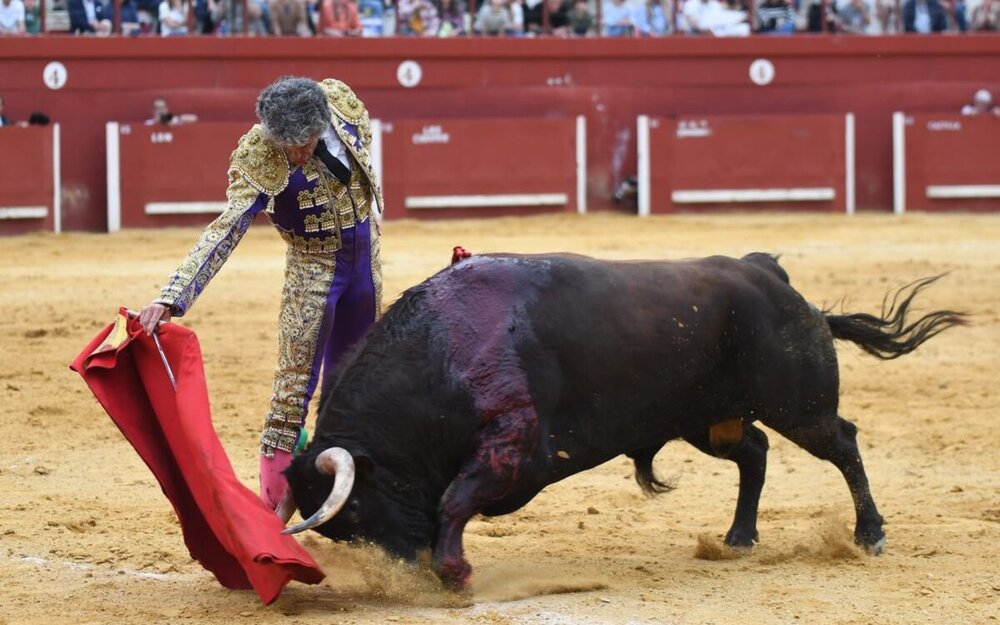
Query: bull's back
<point x="618" y="354"/>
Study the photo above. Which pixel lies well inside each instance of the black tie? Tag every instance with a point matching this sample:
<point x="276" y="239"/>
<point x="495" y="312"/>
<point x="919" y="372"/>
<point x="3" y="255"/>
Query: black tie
<point x="332" y="163"/>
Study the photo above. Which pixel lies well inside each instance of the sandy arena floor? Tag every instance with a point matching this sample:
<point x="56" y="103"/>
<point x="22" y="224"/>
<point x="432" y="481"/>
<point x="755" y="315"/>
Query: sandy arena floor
<point x="87" y="537"/>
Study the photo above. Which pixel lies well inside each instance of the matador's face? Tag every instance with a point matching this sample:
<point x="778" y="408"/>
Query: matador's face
<point x="299" y="154"/>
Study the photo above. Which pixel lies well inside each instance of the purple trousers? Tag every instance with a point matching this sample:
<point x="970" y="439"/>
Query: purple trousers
<point x="327" y="304"/>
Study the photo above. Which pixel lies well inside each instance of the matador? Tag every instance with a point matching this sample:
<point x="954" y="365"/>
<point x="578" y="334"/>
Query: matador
<point x="307" y="166"/>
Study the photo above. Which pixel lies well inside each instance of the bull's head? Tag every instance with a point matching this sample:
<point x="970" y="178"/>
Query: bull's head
<point x="339" y="491"/>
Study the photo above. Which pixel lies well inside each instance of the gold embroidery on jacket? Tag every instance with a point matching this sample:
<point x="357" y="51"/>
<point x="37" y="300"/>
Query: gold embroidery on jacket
<point x="214" y="246"/>
<point x="261" y="162"/>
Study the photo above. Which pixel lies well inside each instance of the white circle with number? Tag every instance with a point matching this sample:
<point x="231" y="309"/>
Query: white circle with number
<point x="409" y="74"/>
<point x="54" y="75"/>
<point x="762" y="72"/>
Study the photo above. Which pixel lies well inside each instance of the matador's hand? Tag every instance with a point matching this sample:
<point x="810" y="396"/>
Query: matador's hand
<point x="151" y="315"/>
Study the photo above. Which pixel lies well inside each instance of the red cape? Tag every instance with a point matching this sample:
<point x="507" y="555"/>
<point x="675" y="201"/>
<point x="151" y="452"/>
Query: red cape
<point x="226" y="526"/>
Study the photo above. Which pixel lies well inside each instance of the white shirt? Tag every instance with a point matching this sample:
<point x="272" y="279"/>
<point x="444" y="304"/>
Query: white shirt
<point x="336" y="146"/>
<point x="11" y="15"/>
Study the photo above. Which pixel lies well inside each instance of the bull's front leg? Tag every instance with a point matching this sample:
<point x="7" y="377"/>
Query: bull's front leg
<point x="493" y="471"/>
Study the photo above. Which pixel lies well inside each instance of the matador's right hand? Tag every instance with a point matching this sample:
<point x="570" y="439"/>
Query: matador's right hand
<point x="152" y="314"/>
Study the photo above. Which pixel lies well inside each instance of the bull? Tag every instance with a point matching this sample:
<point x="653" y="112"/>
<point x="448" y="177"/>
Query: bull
<point x="503" y="374"/>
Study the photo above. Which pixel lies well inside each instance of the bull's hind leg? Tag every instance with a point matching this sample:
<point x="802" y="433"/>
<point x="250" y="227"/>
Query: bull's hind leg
<point x="835" y="440"/>
<point x="495" y="480"/>
<point x="750" y="455"/>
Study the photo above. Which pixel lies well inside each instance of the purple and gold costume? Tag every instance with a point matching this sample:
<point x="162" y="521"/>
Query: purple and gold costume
<point x="333" y="275"/>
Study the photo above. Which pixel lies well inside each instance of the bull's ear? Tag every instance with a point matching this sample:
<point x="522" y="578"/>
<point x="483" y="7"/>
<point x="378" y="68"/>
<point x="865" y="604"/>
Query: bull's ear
<point x="364" y="466"/>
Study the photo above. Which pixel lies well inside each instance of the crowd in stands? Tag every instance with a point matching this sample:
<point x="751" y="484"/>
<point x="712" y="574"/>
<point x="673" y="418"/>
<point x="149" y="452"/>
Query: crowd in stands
<point x="448" y="18"/>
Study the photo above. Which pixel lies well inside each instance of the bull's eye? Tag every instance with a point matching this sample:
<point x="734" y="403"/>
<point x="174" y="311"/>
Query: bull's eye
<point x="354" y="505"/>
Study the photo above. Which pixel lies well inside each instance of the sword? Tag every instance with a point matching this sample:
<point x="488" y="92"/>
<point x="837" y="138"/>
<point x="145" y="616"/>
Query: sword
<point x="159" y="348"/>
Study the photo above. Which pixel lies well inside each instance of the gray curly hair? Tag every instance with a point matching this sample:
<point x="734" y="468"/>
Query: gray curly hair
<point x="293" y="110"/>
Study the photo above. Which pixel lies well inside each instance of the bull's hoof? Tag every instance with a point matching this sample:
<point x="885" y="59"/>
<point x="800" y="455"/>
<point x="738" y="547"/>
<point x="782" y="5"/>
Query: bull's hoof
<point x="873" y="548"/>
<point x="455" y="573"/>
<point x="738" y="538"/>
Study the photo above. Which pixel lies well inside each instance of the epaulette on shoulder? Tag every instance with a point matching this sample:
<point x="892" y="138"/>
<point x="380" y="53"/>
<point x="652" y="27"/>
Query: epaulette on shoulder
<point x="344" y="103"/>
<point x="262" y="163"/>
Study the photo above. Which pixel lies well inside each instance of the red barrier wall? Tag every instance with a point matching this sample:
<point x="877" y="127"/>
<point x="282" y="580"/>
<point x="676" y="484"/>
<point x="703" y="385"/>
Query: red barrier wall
<point x="951" y="163"/>
<point x="172" y="169"/>
<point x="445" y="168"/>
<point x="27" y="185"/>
<point x="610" y="81"/>
<point x="749" y="162"/>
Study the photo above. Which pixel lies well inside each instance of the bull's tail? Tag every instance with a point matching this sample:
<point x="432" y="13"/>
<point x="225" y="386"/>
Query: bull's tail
<point x="892" y="335"/>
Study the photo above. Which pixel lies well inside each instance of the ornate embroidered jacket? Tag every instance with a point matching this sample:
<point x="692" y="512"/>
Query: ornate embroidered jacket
<point x="307" y="205"/>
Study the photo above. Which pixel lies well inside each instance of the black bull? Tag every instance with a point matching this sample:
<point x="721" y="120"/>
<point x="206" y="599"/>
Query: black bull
<point x="503" y="374"/>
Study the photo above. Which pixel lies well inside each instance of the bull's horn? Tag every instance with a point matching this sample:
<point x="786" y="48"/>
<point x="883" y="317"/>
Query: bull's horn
<point x="338" y="463"/>
<point x="286" y="507"/>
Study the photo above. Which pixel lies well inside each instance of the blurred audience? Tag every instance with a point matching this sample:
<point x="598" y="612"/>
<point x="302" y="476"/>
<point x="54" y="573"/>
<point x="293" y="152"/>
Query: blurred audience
<point x="559" y="18"/>
<point x="494" y="18"/>
<point x="855" y="17"/>
<point x="372" y="15"/>
<point x="986" y="16"/>
<point x="534" y="18"/>
<point x="417" y="18"/>
<point x="924" y="16"/>
<point x="776" y="17"/>
<point x="164" y="117"/>
<point x="452" y="16"/>
<point x="11" y="17"/>
<point x="581" y="21"/>
<point x="982" y="104"/>
<point x="3" y="120"/>
<point x="288" y="18"/>
<point x="90" y="17"/>
<point x="173" y="17"/>
<point x="652" y="18"/>
<point x="339" y="18"/>
<point x="711" y="17"/>
<point x="617" y="16"/>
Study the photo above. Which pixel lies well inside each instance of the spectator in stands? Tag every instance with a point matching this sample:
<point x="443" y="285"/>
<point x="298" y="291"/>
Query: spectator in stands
<point x="372" y="16"/>
<point x="163" y="116"/>
<point x="452" y="16"/>
<point x="288" y="18"/>
<point x="776" y="17"/>
<point x="174" y="17"/>
<point x="986" y="16"/>
<point x="711" y="17"/>
<point x="203" y="24"/>
<point x="924" y="16"/>
<point x="982" y="104"/>
<point x="32" y="17"/>
<point x="534" y="18"/>
<point x="89" y="17"/>
<point x="3" y="120"/>
<point x="955" y="10"/>
<point x="581" y="21"/>
<point x="228" y="16"/>
<point x="820" y="19"/>
<point x="885" y="17"/>
<point x="855" y="18"/>
<point x="417" y="18"/>
<point x="617" y="16"/>
<point x="148" y="12"/>
<point x="11" y="17"/>
<point x="650" y="17"/>
<point x="339" y="18"/>
<point x="494" y="18"/>
<point x="128" y="16"/>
